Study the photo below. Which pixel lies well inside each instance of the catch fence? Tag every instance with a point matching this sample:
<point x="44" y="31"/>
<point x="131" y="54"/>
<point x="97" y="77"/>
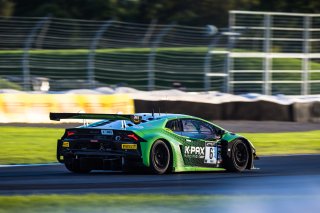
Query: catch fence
<point x="277" y="53"/>
<point x="270" y="53"/>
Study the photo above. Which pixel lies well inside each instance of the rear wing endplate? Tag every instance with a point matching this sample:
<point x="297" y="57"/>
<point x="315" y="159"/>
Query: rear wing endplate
<point x="58" y="116"/>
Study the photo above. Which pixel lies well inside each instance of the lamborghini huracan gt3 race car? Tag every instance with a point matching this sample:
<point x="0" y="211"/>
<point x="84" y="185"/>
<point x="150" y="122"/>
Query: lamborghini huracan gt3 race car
<point x="161" y="142"/>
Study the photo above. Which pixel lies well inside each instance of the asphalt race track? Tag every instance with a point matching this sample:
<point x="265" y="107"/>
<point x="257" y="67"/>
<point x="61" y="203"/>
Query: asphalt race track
<point x="281" y="175"/>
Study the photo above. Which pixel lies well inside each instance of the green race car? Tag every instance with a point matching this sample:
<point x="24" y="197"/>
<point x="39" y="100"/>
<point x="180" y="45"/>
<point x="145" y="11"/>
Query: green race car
<point x="162" y="143"/>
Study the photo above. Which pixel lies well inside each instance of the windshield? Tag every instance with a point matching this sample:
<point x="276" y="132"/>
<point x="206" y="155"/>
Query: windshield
<point x="111" y="124"/>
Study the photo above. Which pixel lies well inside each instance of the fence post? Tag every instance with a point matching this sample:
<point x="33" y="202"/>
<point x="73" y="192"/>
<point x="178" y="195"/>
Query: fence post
<point x="228" y="63"/>
<point x="306" y="50"/>
<point x="152" y="56"/>
<point x="267" y="49"/>
<point x="92" y="52"/>
<point x="148" y="34"/>
<point x="25" y="58"/>
<point x="229" y="60"/>
<point x="207" y="61"/>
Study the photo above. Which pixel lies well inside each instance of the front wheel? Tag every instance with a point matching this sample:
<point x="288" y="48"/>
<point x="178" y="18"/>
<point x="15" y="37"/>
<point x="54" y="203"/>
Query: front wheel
<point x="239" y="157"/>
<point x="160" y="157"/>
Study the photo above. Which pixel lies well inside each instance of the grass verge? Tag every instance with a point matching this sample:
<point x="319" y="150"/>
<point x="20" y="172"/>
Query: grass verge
<point x="105" y="203"/>
<point x="286" y="143"/>
<point x="20" y="145"/>
<point x="151" y="203"/>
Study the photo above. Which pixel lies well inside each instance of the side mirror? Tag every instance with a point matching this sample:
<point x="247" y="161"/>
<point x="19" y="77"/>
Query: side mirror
<point x="220" y="133"/>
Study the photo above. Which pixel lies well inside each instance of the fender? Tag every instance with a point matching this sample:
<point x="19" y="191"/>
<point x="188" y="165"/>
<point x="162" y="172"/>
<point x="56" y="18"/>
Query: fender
<point x="226" y="148"/>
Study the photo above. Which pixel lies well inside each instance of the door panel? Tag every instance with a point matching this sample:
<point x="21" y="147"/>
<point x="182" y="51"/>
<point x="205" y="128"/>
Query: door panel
<point x="200" y="153"/>
<point x="199" y="144"/>
<point x="197" y="149"/>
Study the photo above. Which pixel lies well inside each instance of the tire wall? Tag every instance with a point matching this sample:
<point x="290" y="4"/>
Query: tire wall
<point x="257" y="110"/>
<point x="307" y="112"/>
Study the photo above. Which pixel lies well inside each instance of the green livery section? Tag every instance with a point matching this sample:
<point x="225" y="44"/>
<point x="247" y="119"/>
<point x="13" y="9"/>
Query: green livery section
<point x="194" y="143"/>
<point x="155" y="130"/>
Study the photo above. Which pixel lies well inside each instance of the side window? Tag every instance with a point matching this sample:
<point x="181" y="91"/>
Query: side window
<point x="198" y="129"/>
<point x="189" y="126"/>
<point x="204" y="129"/>
<point x="207" y="130"/>
<point x="174" y="125"/>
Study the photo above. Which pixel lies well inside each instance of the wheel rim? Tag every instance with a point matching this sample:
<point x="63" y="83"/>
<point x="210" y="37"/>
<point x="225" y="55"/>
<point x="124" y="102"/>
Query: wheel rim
<point x="241" y="154"/>
<point x="161" y="157"/>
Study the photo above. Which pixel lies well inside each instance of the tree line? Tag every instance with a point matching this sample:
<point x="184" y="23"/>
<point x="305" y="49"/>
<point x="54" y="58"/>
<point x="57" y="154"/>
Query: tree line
<point x="184" y="12"/>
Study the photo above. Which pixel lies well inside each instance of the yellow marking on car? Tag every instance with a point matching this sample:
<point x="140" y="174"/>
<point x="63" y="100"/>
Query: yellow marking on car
<point x="65" y="144"/>
<point x="129" y="146"/>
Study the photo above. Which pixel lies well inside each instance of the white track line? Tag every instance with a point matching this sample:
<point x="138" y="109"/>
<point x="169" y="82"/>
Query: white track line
<point x="287" y="155"/>
<point x="29" y="165"/>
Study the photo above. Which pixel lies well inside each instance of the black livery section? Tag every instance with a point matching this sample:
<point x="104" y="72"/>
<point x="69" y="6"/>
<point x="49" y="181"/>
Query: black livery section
<point x="99" y="149"/>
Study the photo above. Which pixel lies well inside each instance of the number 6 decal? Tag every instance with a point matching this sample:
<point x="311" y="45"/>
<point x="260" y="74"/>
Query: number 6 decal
<point x="210" y="153"/>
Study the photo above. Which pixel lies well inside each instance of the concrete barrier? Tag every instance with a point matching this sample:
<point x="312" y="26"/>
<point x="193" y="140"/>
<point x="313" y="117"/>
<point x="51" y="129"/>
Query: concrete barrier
<point x="34" y="108"/>
<point x="256" y="110"/>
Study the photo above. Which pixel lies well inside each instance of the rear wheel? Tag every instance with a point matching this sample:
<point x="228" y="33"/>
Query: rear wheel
<point x="160" y="157"/>
<point x="239" y="157"/>
<point x="74" y="166"/>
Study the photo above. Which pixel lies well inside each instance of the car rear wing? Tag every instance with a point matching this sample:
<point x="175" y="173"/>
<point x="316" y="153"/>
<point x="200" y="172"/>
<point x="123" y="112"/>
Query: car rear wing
<point x="58" y="116"/>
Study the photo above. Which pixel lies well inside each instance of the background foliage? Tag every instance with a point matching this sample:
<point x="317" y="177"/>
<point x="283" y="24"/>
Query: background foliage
<point x="188" y="12"/>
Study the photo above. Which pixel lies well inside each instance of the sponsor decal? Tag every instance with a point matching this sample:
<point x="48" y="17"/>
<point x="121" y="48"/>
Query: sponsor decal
<point x="129" y="146"/>
<point x="34" y="108"/>
<point x="65" y="144"/>
<point x="208" y="153"/>
<point x="106" y="132"/>
<point x="136" y="119"/>
<point x="194" y="151"/>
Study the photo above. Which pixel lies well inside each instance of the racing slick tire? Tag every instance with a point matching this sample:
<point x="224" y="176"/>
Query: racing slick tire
<point x="74" y="166"/>
<point x="239" y="158"/>
<point x="160" y="157"/>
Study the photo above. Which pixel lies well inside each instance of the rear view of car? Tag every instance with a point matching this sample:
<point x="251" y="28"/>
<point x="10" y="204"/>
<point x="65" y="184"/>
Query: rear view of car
<point x="85" y="149"/>
<point x="103" y="145"/>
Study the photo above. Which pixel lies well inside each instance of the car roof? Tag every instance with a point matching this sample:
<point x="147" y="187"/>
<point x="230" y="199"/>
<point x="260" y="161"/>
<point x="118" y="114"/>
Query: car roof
<point x="148" y="116"/>
<point x="145" y="118"/>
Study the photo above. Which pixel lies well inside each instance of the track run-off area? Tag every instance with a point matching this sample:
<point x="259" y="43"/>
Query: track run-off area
<point x="275" y="175"/>
<point x="279" y="184"/>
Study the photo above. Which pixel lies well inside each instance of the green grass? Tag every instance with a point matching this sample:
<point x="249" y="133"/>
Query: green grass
<point x="5" y="84"/>
<point x="105" y="203"/>
<point x="38" y="145"/>
<point x="113" y="50"/>
<point x="20" y="145"/>
<point x="286" y="143"/>
<point x="144" y="203"/>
